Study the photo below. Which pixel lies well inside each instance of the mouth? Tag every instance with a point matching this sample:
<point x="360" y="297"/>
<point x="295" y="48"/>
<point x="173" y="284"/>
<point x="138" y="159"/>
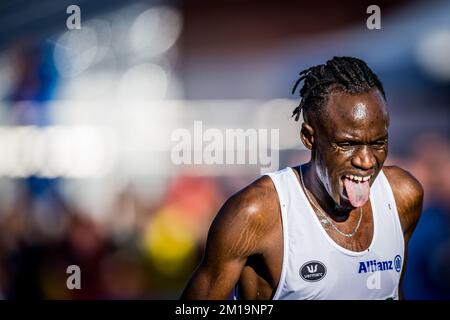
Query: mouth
<point x="356" y="189"/>
<point x="356" y="178"/>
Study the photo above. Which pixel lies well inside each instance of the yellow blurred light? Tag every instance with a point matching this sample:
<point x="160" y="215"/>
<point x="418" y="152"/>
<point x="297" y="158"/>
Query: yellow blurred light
<point x="169" y="241"/>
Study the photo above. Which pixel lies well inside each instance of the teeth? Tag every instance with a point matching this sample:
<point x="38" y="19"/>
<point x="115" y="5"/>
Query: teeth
<point x="358" y="179"/>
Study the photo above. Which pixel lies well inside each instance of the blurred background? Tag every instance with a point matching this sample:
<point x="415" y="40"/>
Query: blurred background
<point x="87" y="118"/>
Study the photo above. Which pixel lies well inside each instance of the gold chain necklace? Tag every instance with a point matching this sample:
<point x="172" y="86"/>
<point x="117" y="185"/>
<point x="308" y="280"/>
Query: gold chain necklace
<point x="325" y="216"/>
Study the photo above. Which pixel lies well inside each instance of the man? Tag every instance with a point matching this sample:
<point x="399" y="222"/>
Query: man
<point x="336" y="227"/>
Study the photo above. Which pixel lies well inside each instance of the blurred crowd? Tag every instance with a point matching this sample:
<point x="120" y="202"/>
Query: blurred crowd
<point x="142" y="250"/>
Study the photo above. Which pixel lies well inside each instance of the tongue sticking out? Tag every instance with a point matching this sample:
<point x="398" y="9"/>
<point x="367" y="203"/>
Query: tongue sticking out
<point x="358" y="192"/>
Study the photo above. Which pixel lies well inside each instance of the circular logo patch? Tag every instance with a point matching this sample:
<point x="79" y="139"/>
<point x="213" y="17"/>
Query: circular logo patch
<point x="398" y="263"/>
<point x="313" y="271"/>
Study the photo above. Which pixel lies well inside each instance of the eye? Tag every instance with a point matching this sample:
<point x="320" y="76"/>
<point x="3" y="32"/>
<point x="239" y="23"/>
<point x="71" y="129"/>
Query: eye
<point x="344" y="145"/>
<point x="379" y="144"/>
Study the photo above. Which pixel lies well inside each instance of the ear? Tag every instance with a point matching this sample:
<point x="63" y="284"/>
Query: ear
<point x="307" y="135"/>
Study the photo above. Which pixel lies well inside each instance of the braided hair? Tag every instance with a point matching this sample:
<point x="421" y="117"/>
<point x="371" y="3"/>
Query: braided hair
<point x="348" y="74"/>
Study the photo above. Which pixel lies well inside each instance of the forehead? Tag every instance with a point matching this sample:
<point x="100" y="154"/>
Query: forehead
<point x="362" y="115"/>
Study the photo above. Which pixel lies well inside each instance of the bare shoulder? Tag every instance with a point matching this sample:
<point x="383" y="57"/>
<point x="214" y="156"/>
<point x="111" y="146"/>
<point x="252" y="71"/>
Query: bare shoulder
<point x="408" y="194"/>
<point x="403" y="183"/>
<point x="247" y="217"/>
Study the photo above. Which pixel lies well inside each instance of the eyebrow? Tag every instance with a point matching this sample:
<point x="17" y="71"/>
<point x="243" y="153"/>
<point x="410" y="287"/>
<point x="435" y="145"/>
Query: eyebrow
<point x="351" y="138"/>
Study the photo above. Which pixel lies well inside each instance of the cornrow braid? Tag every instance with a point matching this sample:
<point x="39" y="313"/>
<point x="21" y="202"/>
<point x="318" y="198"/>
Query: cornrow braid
<point x="349" y="74"/>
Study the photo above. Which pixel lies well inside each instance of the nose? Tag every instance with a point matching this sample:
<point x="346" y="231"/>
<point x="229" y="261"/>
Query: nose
<point x="364" y="158"/>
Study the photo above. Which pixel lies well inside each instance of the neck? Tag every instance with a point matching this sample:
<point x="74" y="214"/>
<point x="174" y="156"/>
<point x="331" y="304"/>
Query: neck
<point x="318" y="192"/>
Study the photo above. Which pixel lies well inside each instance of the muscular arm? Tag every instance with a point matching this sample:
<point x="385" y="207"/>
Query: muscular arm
<point x="408" y="194"/>
<point x="236" y="233"/>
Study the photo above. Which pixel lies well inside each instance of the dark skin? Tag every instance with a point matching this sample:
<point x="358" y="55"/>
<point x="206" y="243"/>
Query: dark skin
<point x="245" y="241"/>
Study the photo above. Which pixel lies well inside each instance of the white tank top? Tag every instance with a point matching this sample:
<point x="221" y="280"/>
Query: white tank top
<point x="315" y="267"/>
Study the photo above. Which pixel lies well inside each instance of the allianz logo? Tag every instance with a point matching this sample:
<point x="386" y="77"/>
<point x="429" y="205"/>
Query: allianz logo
<point x="384" y="265"/>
